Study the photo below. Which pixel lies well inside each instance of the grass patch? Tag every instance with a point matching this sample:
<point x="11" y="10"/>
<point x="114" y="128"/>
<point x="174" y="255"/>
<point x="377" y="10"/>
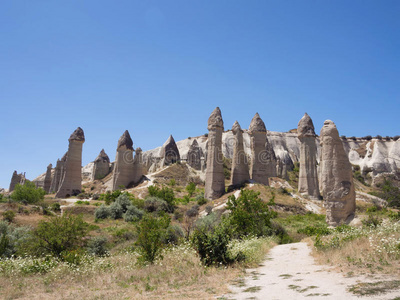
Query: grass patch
<point x="374" y="288"/>
<point x="253" y="289"/>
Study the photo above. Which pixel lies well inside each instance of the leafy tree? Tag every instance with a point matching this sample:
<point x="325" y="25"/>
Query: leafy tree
<point x="249" y="214"/>
<point x="151" y="233"/>
<point x="60" y="234"/>
<point x="27" y="193"/>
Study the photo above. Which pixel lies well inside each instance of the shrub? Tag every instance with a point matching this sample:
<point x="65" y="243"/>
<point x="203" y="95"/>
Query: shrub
<point x="314" y="230"/>
<point x="124" y="200"/>
<point x="165" y="193"/>
<point x="155" y="204"/>
<point x="190" y="188"/>
<point x="55" y="207"/>
<point x="97" y="246"/>
<point x="109" y="197"/>
<point x="12" y="239"/>
<point x="102" y="212"/>
<point x="200" y="199"/>
<point x="27" y="192"/>
<point x="212" y="245"/>
<point x="116" y="211"/>
<point x="151" y="233"/>
<point x="249" y="214"/>
<point x="133" y="214"/>
<point x="59" y="234"/>
<point x="193" y="211"/>
<point x="174" y="234"/>
<point x="8" y="215"/>
<point x="172" y="182"/>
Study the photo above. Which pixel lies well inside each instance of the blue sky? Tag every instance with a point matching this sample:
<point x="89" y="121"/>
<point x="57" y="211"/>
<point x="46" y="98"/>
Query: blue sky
<point x="160" y="67"/>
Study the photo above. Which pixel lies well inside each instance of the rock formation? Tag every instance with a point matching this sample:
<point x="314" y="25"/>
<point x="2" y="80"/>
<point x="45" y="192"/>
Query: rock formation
<point x="59" y="172"/>
<point x="215" y="179"/>
<point x="194" y="155"/>
<point x="123" y="168"/>
<point x="240" y="169"/>
<point x="138" y="171"/>
<point x="169" y="152"/>
<point x="71" y="183"/>
<point x="263" y="159"/>
<point x="101" y="166"/>
<point x="308" y="175"/>
<point x="336" y="177"/>
<point x="16" y="179"/>
<point x="47" y="179"/>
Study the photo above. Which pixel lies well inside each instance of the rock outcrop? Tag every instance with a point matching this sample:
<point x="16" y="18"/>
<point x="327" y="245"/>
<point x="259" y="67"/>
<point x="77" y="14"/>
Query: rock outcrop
<point x="16" y="179"/>
<point x="59" y="172"/>
<point x="336" y="177"/>
<point x="263" y="159"/>
<point x="138" y="171"/>
<point x="169" y="152"/>
<point x="240" y="168"/>
<point x="101" y="166"/>
<point x="123" y="172"/>
<point x="215" y="179"/>
<point x="47" y="179"/>
<point x="71" y="183"/>
<point x="194" y="155"/>
<point x="308" y="175"/>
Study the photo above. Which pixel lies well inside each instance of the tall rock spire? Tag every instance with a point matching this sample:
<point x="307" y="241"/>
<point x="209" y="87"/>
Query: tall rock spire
<point x="101" y="165"/>
<point x="71" y="183"/>
<point x="263" y="159"/>
<point x="308" y="175"/>
<point x="215" y="179"/>
<point x="336" y="177"/>
<point x="123" y="172"/>
<point x="240" y="168"/>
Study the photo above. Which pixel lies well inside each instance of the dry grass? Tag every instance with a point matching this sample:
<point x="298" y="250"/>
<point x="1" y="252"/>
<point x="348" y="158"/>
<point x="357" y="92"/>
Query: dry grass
<point x="376" y="251"/>
<point x="180" y="275"/>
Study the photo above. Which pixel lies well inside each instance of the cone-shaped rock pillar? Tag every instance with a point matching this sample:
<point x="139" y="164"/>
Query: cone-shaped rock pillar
<point x="123" y="168"/>
<point x="138" y="169"/>
<point x="240" y="169"/>
<point x="47" y="179"/>
<point x="71" y="183"/>
<point x="101" y="166"/>
<point x="263" y="159"/>
<point x="195" y="154"/>
<point x="215" y="179"/>
<point x="336" y="177"/>
<point x="59" y="172"/>
<point x="169" y="152"/>
<point x="16" y="179"/>
<point x="308" y="175"/>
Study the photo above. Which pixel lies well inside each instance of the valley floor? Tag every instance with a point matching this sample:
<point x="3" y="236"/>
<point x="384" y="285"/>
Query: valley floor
<point x="289" y="272"/>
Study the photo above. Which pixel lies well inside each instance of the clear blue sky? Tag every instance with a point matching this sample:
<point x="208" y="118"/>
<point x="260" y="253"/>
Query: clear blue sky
<point x="160" y="67"/>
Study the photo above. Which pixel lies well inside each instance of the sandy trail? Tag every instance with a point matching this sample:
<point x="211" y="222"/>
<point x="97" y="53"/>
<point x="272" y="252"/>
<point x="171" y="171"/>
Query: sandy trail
<point x="289" y="272"/>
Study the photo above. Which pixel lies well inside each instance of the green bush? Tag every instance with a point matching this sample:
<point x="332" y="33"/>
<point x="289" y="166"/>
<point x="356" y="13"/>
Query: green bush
<point x="174" y="234"/>
<point x="151" y="233"/>
<point x="124" y="201"/>
<point x="165" y="193"/>
<point x="212" y="244"/>
<point x="133" y="214"/>
<point x="200" y="199"/>
<point x="116" y="211"/>
<point x="314" y="230"/>
<point x="249" y="214"/>
<point x="12" y="239"/>
<point x="110" y="197"/>
<point x="97" y="246"/>
<point x="27" y="193"/>
<point x="59" y="234"/>
<point x="55" y="207"/>
<point x="155" y="204"/>
<point x="102" y="212"/>
<point x="190" y="188"/>
<point x="8" y="215"/>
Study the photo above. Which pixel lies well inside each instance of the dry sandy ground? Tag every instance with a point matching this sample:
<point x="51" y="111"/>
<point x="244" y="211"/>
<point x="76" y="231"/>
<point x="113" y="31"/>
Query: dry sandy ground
<point x="289" y="272"/>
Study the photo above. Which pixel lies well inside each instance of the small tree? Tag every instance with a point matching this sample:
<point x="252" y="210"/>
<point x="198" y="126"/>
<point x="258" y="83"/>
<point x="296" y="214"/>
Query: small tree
<point x="165" y="193"/>
<point x="151" y="233"/>
<point x="59" y="234"/>
<point x="249" y="214"/>
<point x="27" y="192"/>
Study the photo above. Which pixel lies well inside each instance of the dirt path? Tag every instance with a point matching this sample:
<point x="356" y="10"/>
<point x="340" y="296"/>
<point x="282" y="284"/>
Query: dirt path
<point x="289" y="272"/>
